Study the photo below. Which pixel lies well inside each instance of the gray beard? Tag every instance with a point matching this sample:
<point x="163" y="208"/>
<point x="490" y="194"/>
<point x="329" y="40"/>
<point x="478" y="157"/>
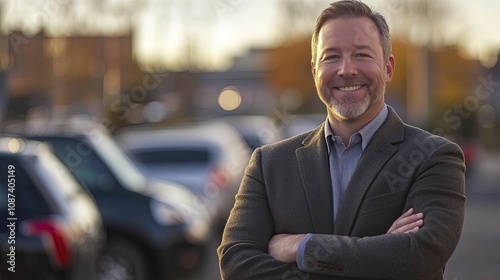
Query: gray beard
<point x="349" y="108"/>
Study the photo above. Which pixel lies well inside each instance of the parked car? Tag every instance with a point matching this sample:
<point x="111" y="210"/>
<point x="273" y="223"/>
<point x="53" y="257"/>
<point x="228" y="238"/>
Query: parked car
<point x="153" y="227"/>
<point x="54" y="230"/>
<point x="210" y="158"/>
<point x="256" y="130"/>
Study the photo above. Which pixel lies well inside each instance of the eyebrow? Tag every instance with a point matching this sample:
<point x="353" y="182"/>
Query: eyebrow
<point x="358" y="47"/>
<point x="335" y="49"/>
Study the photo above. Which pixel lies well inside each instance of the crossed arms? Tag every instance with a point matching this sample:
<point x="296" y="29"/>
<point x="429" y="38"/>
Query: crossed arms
<point x="284" y="247"/>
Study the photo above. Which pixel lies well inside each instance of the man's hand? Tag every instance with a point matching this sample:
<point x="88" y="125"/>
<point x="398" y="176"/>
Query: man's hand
<point x="283" y="247"/>
<point x="407" y="223"/>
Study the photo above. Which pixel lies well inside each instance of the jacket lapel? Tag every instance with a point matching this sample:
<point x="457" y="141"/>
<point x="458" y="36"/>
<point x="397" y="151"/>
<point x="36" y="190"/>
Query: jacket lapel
<point x="315" y="174"/>
<point x="377" y="153"/>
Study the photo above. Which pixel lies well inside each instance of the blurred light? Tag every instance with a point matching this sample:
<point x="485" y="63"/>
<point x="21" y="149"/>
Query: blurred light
<point x="486" y="116"/>
<point x="111" y="82"/>
<point x="56" y="47"/>
<point x="14" y="145"/>
<point x="154" y="111"/>
<point x="488" y="59"/>
<point x="229" y="99"/>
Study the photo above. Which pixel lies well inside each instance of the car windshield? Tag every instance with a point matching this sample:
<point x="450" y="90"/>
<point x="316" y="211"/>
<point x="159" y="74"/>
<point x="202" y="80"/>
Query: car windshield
<point x="120" y="164"/>
<point x="54" y="173"/>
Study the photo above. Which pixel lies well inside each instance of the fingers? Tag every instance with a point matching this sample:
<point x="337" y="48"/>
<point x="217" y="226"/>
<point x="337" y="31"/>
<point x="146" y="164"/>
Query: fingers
<point x="410" y="228"/>
<point x="396" y="223"/>
<point x="406" y="214"/>
<point x="413" y="230"/>
<point x="407" y="223"/>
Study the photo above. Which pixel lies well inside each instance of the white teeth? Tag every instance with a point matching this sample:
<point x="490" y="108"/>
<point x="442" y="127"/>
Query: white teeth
<point x="351" y="88"/>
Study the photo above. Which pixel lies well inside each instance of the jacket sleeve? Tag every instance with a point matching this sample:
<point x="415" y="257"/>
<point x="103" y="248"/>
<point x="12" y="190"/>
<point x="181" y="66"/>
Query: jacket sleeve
<point x="243" y="250"/>
<point x="437" y="189"/>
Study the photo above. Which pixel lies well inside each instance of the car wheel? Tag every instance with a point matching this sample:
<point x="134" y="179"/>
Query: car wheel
<point x="122" y="260"/>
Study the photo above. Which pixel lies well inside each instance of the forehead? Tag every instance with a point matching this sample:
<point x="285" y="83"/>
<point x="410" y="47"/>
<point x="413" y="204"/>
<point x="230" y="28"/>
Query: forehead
<point x="355" y="31"/>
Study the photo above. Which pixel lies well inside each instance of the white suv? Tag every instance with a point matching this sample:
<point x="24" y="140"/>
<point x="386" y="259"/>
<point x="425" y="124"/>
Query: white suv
<point x="209" y="158"/>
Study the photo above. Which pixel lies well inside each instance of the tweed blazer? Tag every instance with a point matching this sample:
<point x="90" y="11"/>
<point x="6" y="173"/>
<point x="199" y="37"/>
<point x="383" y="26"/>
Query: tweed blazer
<point x="287" y="189"/>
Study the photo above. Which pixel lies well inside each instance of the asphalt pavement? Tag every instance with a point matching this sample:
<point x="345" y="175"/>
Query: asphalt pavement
<point x="477" y="256"/>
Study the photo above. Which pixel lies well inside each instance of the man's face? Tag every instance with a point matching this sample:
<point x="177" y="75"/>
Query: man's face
<point x="349" y="71"/>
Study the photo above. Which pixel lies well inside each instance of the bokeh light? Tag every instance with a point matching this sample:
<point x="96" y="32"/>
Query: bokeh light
<point x="229" y="99"/>
<point x="486" y="116"/>
<point x="14" y="145"/>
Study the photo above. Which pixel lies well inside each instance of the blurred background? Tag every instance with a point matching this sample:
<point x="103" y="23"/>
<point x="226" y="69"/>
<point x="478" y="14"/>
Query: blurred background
<point x="136" y="65"/>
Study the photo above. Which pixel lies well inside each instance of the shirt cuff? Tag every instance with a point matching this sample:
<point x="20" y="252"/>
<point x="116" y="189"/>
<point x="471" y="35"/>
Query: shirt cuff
<point x="300" y="252"/>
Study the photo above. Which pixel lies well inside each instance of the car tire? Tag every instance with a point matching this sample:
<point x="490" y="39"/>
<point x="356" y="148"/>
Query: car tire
<point x="122" y="260"/>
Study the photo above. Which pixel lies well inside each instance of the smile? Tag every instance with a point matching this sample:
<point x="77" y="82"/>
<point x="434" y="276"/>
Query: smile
<point x="350" y="88"/>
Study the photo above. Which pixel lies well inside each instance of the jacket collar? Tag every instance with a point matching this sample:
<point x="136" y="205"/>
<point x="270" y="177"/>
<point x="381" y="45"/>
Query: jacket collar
<point x="315" y="173"/>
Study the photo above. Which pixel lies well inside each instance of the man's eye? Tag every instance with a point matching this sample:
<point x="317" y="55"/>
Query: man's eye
<point x="331" y="57"/>
<point x="361" y="55"/>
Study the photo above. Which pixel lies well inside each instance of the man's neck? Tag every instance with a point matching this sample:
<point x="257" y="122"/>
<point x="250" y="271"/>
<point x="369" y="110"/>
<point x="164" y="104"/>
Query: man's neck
<point x="346" y="128"/>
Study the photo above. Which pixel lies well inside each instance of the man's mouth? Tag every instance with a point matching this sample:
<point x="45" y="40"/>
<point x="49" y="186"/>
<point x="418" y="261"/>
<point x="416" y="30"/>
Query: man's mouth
<point x="350" y="88"/>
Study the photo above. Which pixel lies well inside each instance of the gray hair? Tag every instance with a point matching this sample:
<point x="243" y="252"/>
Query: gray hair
<point x="350" y="9"/>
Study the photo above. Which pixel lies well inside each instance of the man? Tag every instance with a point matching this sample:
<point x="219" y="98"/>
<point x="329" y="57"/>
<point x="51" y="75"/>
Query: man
<point x="338" y="202"/>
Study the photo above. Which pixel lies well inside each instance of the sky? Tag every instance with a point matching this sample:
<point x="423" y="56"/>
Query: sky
<point x="481" y="20"/>
<point x="224" y="28"/>
<point x="221" y="29"/>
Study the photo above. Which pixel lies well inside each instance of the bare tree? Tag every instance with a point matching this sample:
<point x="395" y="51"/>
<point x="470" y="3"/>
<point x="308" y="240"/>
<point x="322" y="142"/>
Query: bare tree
<point x="298" y="17"/>
<point x="422" y="21"/>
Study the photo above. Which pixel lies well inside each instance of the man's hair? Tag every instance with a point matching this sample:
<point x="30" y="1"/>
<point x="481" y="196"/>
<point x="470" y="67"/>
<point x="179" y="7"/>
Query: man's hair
<point x="350" y="9"/>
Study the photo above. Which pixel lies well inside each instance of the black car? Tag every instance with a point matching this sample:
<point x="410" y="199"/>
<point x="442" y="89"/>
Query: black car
<point x="153" y="227"/>
<point x="51" y="226"/>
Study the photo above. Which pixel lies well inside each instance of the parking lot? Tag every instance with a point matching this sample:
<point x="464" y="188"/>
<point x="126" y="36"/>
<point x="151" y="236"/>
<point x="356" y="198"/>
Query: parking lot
<point x="477" y="256"/>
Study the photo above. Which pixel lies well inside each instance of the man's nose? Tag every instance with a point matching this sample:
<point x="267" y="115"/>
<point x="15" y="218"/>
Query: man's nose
<point x="347" y="68"/>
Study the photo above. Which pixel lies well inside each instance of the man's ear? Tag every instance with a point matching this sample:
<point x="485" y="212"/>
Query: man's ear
<point x="313" y="68"/>
<point x="389" y="68"/>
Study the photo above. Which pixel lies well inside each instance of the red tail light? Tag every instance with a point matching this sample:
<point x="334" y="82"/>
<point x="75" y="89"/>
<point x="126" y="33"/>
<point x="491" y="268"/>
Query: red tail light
<point x="220" y="177"/>
<point x="55" y="238"/>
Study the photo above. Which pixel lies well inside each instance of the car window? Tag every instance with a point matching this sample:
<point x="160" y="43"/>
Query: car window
<point x="174" y="156"/>
<point x="29" y="201"/>
<point x="125" y="171"/>
<point x="55" y="174"/>
<point x="85" y="165"/>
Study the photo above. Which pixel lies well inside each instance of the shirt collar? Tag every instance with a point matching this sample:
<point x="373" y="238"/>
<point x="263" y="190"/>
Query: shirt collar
<point x="366" y="132"/>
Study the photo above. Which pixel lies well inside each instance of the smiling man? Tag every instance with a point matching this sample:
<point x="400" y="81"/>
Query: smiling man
<point x="347" y="200"/>
<point x="351" y="69"/>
